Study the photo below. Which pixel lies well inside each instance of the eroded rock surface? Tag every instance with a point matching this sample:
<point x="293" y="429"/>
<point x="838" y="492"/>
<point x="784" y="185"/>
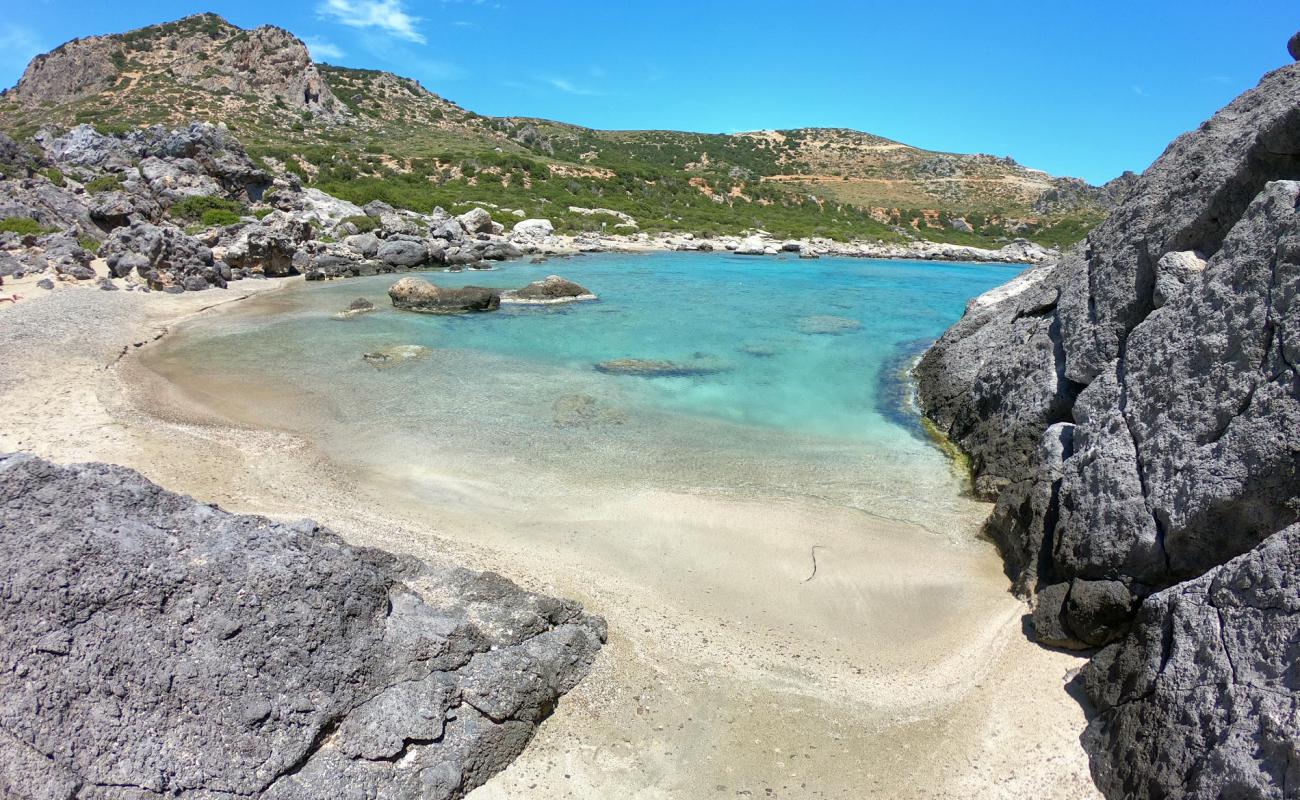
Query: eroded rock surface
<point x="417" y="294"/>
<point x="552" y="289"/>
<point x="1135" y="412"/>
<point x="154" y="646"/>
<point x="1201" y="697"/>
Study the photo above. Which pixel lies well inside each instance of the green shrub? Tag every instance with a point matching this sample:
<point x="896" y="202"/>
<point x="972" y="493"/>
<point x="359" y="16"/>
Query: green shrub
<point x="198" y="208"/>
<point x="112" y="128"/>
<point x="23" y="226"/>
<point x="363" y="223"/>
<point x="89" y="243"/>
<point x="55" y="175"/>
<point x="261" y="213"/>
<point x="104" y="183"/>
<point x="219" y="216"/>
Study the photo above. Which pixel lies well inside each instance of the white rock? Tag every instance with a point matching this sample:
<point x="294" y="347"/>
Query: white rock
<point x="532" y="230"/>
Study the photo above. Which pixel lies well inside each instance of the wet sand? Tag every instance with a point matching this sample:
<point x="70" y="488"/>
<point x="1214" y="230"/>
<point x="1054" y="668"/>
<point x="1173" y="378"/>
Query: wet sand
<point x="899" y="669"/>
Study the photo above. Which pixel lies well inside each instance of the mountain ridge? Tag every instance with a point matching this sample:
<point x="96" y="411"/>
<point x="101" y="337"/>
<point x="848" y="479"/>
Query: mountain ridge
<point x="419" y="149"/>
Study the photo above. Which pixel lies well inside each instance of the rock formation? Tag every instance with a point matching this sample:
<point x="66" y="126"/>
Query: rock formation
<point x="417" y="294"/>
<point x="203" y="51"/>
<point x="552" y="289"/>
<point x="1135" y="411"/>
<point x="1200" y="700"/>
<point x="154" y="646"/>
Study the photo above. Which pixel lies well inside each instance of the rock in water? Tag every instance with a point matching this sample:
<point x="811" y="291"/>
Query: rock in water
<point x="395" y="355"/>
<point x="657" y="368"/>
<point x="553" y="289"/>
<point x="828" y="325"/>
<point x="355" y="309"/>
<point x="1135" y="411"/>
<point x="417" y="294"/>
<point x="156" y="646"/>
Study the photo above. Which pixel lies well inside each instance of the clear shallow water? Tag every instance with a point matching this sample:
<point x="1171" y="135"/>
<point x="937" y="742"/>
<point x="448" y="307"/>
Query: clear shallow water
<point x="790" y="412"/>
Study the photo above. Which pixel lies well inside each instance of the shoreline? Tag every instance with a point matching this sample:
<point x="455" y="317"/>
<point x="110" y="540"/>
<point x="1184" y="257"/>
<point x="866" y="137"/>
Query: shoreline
<point x="715" y="643"/>
<point x="1019" y="251"/>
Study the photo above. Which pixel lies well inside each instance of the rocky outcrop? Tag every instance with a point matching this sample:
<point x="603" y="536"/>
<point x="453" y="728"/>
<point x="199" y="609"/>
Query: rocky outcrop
<point x="164" y="257"/>
<point x="1135" y="409"/>
<point x="417" y="294"/>
<point x="203" y="51"/>
<point x="1200" y="700"/>
<point x="268" y="248"/>
<point x="552" y="289"/>
<point x="158" y="647"/>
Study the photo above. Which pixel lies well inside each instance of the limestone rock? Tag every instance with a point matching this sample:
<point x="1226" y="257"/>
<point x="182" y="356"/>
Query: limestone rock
<point x="553" y="289"/>
<point x="417" y="294"/>
<point x="476" y="220"/>
<point x="532" y="230"/>
<point x="156" y="646"/>
<point x="402" y="253"/>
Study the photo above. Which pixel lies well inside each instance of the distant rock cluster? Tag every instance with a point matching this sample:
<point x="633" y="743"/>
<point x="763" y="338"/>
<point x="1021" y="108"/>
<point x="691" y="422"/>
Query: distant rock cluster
<point x="154" y="646"/>
<point x="117" y="197"/>
<point x="1135" y="412"/>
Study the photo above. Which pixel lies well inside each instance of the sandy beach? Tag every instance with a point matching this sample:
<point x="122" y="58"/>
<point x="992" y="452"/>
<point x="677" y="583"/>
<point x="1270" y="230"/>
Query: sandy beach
<point x="899" y="669"/>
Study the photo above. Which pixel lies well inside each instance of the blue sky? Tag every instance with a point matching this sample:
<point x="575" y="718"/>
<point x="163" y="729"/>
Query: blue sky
<point x="1072" y="87"/>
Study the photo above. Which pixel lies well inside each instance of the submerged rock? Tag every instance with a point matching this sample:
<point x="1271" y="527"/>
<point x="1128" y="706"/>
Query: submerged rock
<point x="553" y="289"/>
<point x="657" y="368"/>
<point x="395" y="355"/>
<point x="758" y="350"/>
<point x="584" y="411"/>
<point x="356" y="308"/>
<point x="157" y="646"/>
<point x="826" y="324"/>
<point x="417" y="294"/>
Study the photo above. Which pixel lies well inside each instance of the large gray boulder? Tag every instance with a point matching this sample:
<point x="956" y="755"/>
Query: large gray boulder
<point x="1135" y="408"/>
<point x="417" y="294"/>
<point x="403" y="253"/>
<point x="552" y="289"/>
<point x="476" y="220"/>
<point x="1199" y="701"/>
<point x="155" y="646"/>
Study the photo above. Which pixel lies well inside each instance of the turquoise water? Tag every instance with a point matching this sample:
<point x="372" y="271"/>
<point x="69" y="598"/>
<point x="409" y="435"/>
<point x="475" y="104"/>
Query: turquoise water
<point x="802" y="396"/>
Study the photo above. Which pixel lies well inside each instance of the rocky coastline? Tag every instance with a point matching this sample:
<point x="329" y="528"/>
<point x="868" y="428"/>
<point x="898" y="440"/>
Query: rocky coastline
<point x="150" y="211"/>
<point x="1134" y="410"/>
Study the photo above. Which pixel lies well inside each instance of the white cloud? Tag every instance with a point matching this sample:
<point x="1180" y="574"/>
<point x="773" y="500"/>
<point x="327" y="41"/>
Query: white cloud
<point x="320" y="48"/>
<point x="18" y="45"/>
<point x="386" y="15"/>
<point x="568" y="87"/>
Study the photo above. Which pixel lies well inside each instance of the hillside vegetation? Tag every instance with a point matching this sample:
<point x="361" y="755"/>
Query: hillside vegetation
<point x="365" y="135"/>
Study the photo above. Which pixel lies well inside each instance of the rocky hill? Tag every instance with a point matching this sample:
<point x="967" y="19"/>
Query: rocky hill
<point x="365" y="135"/>
<point x="1135" y="411"/>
